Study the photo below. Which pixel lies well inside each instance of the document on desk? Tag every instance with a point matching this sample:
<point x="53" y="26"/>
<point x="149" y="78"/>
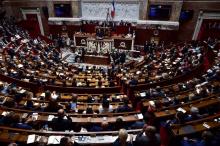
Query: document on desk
<point x="54" y="139"/>
<point x="31" y="138"/>
<point x="5" y="113"/>
<point x="35" y="116"/>
<point x="181" y="110"/>
<point x="96" y="140"/>
<point x="50" y="117"/>
<point x="22" y="91"/>
<point x="106" y="139"/>
<point x="143" y="94"/>
<point x="140" y="116"/>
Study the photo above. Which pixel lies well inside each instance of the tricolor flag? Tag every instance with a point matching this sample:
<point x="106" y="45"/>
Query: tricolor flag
<point x="113" y="9"/>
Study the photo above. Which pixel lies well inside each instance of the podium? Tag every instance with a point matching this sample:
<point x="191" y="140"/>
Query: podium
<point x="105" y="44"/>
<point x="102" y="46"/>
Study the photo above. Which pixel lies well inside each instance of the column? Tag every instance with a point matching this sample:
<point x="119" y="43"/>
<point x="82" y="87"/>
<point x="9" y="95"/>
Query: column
<point x="50" y="7"/>
<point x="176" y="8"/>
<point x="143" y="9"/>
<point x="75" y="8"/>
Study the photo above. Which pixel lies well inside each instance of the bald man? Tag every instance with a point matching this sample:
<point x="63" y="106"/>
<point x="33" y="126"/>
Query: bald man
<point x="62" y="122"/>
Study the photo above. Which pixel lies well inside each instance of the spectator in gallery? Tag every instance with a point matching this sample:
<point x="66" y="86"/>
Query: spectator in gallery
<point x="148" y="137"/>
<point x="122" y="139"/>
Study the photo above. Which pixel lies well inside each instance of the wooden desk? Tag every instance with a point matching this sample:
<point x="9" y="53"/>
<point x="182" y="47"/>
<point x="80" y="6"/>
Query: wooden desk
<point x="8" y="134"/>
<point x="171" y="111"/>
<point x="97" y="60"/>
<point x="81" y="118"/>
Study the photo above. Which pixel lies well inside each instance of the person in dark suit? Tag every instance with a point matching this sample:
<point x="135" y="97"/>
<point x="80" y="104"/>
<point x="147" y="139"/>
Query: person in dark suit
<point x="148" y="137"/>
<point x="125" y="107"/>
<point x="99" y="33"/>
<point x="62" y="122"/>
<point x="53" y="106"/>
<point x="122" y="139"/>
<point x="133" y="81"/>
<point x="22" y="123"/>
<point x="66" y="141"/>
<point x="146" y="47"/>
<point x="122" y="57"/>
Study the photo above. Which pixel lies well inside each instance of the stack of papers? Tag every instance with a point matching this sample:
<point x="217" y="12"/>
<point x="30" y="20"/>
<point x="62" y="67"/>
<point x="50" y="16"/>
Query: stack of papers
<point x="35" y="116"/>
<point x="140" y="116"/>
<point x="50" y="117"/>
<point x="181" y="110"/>
<point x="5" y="113"/>
<point x="54" y="140"/>
<point x="31" y="138"/>
<point x="22" y="91"/>
<point x="143" y="94"/>
<point x="42" y="95"/>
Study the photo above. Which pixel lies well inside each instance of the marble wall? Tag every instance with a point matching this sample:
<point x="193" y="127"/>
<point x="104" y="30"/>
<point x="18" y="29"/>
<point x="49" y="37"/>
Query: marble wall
<point x="99" y="10"/>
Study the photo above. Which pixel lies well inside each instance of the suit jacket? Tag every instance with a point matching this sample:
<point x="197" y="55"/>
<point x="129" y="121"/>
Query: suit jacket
<point x="60" y="124"/>
<point x="144" y="140"/>
<point x="118" y="143"/>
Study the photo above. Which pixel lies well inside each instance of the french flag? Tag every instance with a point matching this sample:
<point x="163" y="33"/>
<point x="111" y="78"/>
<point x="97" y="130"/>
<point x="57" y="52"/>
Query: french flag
<point x="113" y="9"/>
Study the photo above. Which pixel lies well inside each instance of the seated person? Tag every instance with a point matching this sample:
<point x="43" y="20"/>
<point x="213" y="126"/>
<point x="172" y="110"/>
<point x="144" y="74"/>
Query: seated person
<point x="73" y="104"/>
<point x="66" y="141"/>
<point x="62" y="122"/>
<point x="133" y="81"/>
<point x="22" y="123"/>
<point x="90" y="99"/>
<point x="122" y="139"/>
<point x="180" y="118"/>
<point x="99" y="33"/>
<point x="119" y="124"/>
<point x="12" y="144"/>
<point x="29" y="104"/>
<point x="194" y="114"/>
<point x="208" y="139"/>
<point x="105" y="107"/>
<point x="125" y="107"/>
<point x="53" y="106"/>
<point x="148" y="137"/>
<point x="8" y="119"/>
<point x="89" y="110"/>
<point x="103" y="127"/>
